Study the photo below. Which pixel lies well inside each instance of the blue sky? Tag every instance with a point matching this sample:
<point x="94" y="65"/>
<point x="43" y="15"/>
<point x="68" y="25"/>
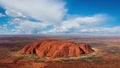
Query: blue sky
<point x="84" y="17"/>
<point x="91" y="7"/>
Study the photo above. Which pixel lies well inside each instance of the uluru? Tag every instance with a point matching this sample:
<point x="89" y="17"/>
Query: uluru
<point x="56" y="48"/>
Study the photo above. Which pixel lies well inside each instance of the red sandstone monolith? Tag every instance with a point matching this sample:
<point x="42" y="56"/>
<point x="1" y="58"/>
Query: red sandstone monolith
<point x="56" y="48"/>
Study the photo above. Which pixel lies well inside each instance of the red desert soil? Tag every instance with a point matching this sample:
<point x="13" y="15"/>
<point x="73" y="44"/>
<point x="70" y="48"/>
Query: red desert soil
<point x="56" y="48"/>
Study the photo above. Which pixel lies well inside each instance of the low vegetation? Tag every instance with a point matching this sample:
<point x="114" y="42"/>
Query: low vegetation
<point x="107" y="56"/>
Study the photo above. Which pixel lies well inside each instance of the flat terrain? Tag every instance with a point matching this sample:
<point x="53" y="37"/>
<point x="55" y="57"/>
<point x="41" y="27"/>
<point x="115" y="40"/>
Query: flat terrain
<point x="106" y="55"/>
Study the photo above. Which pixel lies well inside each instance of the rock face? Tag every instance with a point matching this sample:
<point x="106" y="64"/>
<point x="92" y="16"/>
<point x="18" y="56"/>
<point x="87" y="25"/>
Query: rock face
<point x="56" y="48"/>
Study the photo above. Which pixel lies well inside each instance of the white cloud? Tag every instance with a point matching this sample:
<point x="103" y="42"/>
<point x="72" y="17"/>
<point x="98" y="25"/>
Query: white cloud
<point x="78" y="23"/>
<point x="44" y="10"/>
<point x="28" y="27"/>
<point x="1" y="15"/>
<point x="14" y="13"/>
<point x="71" y="25"/>
<point x="95" y="31"/>
<point x="3" y="28"/>
<point x="51" y="13"/>
<point x="101" y="30"/>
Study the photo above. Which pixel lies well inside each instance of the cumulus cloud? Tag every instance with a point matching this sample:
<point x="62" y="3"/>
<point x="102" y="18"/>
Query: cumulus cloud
<point x="78" y="23"/>
<point x="71" y="25"/>
<point x="13" y="13"/>
<point x="3" y="28"/>
<point x="43" y="10"/>
<point x="101" y="30"/>
<point x="50" y="16"/>
<point x="94" y="31"/>
<point x="28" y="27"/>
<point x="1" y="15"/>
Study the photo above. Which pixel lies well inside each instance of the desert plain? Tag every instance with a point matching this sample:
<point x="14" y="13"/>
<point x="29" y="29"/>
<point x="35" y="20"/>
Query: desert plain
<point x="106" y="52"/>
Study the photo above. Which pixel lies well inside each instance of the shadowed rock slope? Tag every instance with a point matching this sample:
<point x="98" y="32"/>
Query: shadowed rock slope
<point x="56" y="48"/>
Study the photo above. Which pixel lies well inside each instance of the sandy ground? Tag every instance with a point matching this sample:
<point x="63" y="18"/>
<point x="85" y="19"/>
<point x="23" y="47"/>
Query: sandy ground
<point x="107" y="53"/>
